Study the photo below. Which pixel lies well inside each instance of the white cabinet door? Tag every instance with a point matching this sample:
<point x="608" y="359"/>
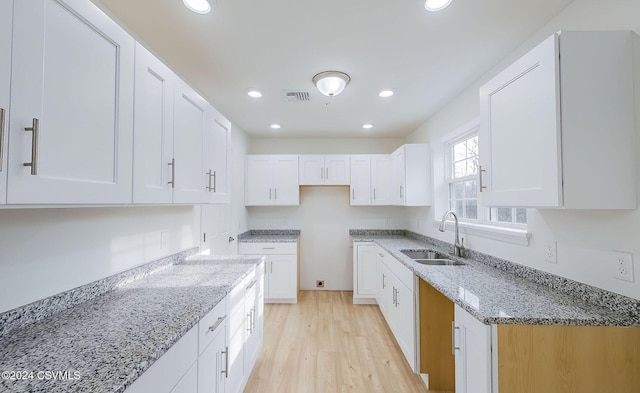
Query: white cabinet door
<point x="6" y="13"/>
<point x="312" y="169"/>
<point x="215" y="229"/>
<point x="282" y="273"/>
<point x="381" y="179"/>
<point x="385" y="288"/>
<point x="153" y="129"/>
<point x="365" y="283"/>
<point x="519" y="136"/>
<point x="72" y="77"/>
<point x="405" y="307"/>
<point x="217" y="159"/>
<point x="259" y="178"/>
<point x="253" y="340"/>
<point x="473" y="353"/>
<point x="398" y="186"/>
<point x="286" y="190"/>
<point x="360" y="179"/>
<point x="235" y="352"/>
<point x="212" y="364"/>
<point x="192" y="116"/>
<point x="337" y="170"/>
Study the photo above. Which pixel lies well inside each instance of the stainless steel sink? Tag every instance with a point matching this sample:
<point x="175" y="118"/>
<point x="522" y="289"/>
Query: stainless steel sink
<point x="430" y="257"/>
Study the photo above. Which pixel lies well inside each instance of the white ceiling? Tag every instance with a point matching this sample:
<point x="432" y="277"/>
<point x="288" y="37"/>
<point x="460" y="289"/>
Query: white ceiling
<point x="426" y="58"/>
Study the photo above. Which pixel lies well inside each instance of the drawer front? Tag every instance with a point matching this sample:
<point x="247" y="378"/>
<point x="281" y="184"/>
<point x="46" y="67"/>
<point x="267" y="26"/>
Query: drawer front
<point x="268" y="248"/>
<point x="213" y="322"/>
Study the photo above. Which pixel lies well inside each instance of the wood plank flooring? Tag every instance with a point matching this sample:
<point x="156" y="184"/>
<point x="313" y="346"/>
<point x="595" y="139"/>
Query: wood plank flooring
<point x="325" y="344"/>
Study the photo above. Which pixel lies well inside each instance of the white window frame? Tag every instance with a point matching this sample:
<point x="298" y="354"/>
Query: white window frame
<point x="442" y="167"/>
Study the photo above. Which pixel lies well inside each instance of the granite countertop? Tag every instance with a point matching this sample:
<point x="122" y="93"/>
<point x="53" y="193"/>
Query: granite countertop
<point x="269" y="236"/>
<point x="106" y="343"/>
<point x="495" y="296"/>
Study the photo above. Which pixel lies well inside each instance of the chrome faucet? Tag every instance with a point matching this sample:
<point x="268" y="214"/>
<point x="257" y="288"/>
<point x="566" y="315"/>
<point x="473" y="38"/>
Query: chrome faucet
<point x="458" y="247"/>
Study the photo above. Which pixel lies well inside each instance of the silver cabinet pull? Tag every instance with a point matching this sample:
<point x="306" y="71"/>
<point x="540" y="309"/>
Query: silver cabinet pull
<point x="252" y="284"/>
<point x="226" y="363"/>
<point x="249" y="329"/>
<point x="271" y="267"/>
<point x="397" y="302"/>
<point x="275" y="193"/>
<point x="172" y="164"/>
<point x="3" y="119"/>
<point x="321" y="173"/>
<point x="268" y="248"/>
<point x="374" y="194"/>
<point x="253" y="318"/>
<point x="401" y="192"/>
<point x="208" y="187"/>
<point x="35" y="129"/>
<point x="214" y="181"/>
<point x="480" y="178"/>
<point x="384" y="285"/>
<point x="453" y="337"/>
<point x="394" y="296"/>
<point x="327" y="177"/>
<point x="381" y="255"/>
<point x="218" y="322"/>
<point x="269" y="194"/>
<point x="353" y="193"/>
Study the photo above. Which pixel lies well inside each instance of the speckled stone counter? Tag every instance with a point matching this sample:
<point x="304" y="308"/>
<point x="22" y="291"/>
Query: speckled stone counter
<point x="106" y="343"/>
<point x="498" y="296"/>
<point x="269" y="236"/>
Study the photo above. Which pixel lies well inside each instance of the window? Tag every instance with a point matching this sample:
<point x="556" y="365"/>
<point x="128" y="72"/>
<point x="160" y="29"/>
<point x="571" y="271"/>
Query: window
<point x="462" y="180"/>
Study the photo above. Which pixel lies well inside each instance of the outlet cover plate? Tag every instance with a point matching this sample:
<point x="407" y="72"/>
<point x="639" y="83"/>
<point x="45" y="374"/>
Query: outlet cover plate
<point x="550" y="251"/>
<point x="623" y="265"/>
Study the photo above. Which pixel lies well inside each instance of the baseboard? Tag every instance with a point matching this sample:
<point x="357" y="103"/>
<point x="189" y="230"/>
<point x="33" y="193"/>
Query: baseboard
<point x="364" y="300"/>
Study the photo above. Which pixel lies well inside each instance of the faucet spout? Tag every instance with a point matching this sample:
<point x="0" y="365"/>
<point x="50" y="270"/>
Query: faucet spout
<point x="457" y="246"/>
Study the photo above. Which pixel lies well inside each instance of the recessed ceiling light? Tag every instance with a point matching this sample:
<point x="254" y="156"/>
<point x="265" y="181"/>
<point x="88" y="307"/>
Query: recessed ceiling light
<point x="198" y="6"/>
<point x="254" y="94"/>
<point x="367" y="126"/>
<point x="436" y="5"/>
<point x="275" y="126"/>
<point x="385" y="93"/>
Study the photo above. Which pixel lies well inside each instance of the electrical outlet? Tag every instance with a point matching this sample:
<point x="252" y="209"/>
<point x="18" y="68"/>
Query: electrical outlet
<point x="550" y="251"/>
<point x="624" y="266"/>
<point x="320" y="284"/>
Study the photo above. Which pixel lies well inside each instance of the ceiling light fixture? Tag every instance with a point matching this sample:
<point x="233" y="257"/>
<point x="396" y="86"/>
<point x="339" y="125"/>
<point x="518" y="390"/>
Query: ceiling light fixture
<point x="436" y="5"/>
<point x="385" y="93"/>
<point x="367" y="126"/>
<point x="331" y="83"/>
<point x="254" y="94"/>
<point x="198" y="6"/>
<point x="275" y="126"/>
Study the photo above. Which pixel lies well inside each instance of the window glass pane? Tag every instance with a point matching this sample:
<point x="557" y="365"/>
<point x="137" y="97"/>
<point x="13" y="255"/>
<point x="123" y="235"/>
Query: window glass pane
<point x="459" y="151"/>
<point x="472" y="146"/>
<point x="521" y="215"/>
<point x="459" y="169"/>
<point x="472" y="166"/>
<point x="504" y="214"/>
<point x="471" y="209"/>
<point x="458" y="190"/>
<point x="458" y="208"/>
<point x="471" y="189"/>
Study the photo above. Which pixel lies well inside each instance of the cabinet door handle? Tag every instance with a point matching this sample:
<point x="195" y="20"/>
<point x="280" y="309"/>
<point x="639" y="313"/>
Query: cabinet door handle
<point x="218" y="322"/>
<point x="214" y="181"/>
<point x="381" y="255"/>
<point x="327" y="176"/>
<point x="35" y="129"/>
<point x="321" y="173"/>
<point x="226" y="363"/>
<point x="384" y="285"/>
<point x="253" y="318"/>
<point x="374" y="194"/>
<point x="271" y="267"/>
<point x="353" y="193"/>
<point x="453" y="337"/>
<point x="394" y="296"/>
<point x="275" y="193"/>
<point x="172" y="164"/>
<point x="397" y="302"/>
<point x="401" y="193"/>
<point x="252" y="284"/>
<point x="269" y="194"/>
<point x="249" y="323"/>
<point x="209" y="188"/>
<point x="482" y="187"/>
<point x="3" y="119"/>
<point x="268" y="248"/>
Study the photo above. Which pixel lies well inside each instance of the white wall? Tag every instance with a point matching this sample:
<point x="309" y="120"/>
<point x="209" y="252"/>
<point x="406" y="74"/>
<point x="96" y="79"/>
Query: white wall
<point x="46" y="251"/>
<point x="324" y="214"/>
<point x="585" y="238"/>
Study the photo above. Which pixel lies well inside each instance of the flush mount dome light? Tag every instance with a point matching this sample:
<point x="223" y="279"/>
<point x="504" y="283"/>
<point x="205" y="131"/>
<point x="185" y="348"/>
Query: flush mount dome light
<point x="436" y="5"/>
<point x="254" y="94"/>
<point x="331" y="83"/>
<point x="385" y="93"/>
<point x="367" y="126"/>
<point x="198" y="6"/>
<point x="275" y="126"/>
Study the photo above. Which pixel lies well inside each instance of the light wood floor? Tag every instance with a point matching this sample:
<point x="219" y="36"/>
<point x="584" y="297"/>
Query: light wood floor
<point x="325" y="344"/>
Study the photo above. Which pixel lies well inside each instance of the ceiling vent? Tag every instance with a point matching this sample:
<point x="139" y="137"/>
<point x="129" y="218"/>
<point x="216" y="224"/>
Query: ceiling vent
<point x="296" y="96"/>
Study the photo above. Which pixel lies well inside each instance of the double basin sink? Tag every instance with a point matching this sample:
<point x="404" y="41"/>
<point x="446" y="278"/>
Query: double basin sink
<point x="430" y="257"/>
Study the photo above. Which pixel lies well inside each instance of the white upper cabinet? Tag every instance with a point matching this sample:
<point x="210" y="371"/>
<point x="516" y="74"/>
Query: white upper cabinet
<point x="6" y="12"/>
<point x="360" y="179"/>
<point x="381" y="179"/>
<point x="192" y="116"/>
<point x="324" y="169"/>
<point x="71" y="114"/>
<point x="272" y="180"/>
<point x="217" y="159"/>
<point x="153" y="130"/>
<point x="557" y="126"/>
<point x="411" y="175"/>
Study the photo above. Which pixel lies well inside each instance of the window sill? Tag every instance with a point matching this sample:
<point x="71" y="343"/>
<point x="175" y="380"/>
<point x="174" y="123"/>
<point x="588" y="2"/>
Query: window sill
<point x="503" y="234"/>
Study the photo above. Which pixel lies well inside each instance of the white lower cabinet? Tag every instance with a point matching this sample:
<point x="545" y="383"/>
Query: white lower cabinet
<point x="218" y="354"/>
<point x="396" y="297"/>
<point x="6" y="12"/>
<point x="281" y="269"/>
<point x="365" y="273"/>
<point x="472" y="345"/>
